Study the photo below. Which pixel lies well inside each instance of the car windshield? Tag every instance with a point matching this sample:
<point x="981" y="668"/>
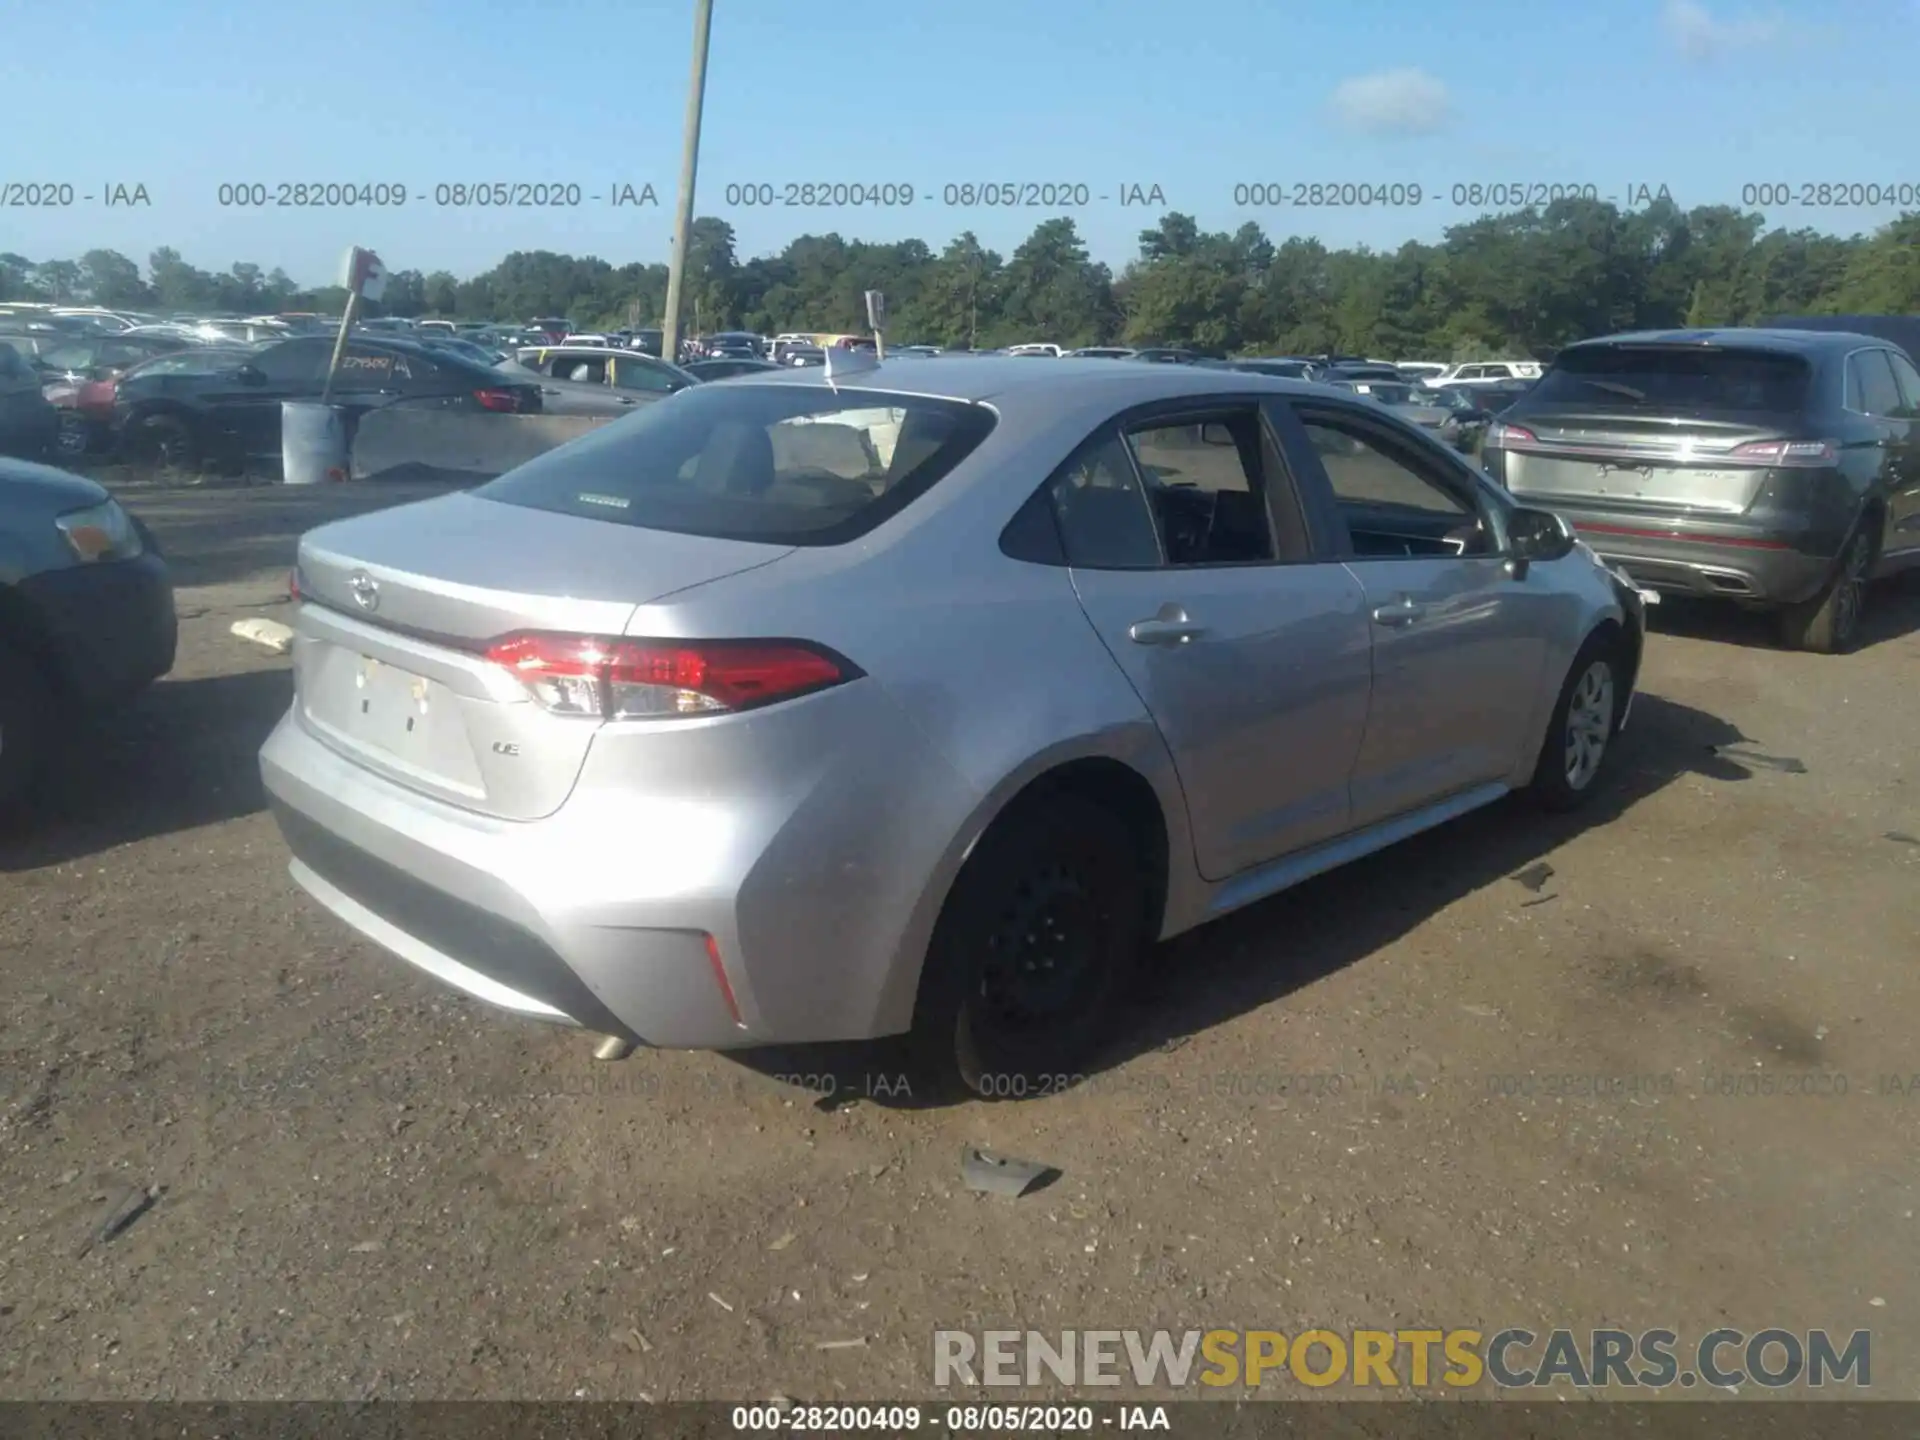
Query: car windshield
<point x="779" y="464"/>
<point x="1678" y="378"/>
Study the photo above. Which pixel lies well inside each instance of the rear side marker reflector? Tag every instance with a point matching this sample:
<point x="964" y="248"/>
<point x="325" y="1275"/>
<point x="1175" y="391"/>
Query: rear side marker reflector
<point x="1738" y="542"/>
<point x="625" y="679"/>
<point x="720" y="979"/>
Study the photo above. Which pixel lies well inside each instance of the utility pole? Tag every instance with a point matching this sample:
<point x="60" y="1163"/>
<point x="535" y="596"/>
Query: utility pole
<point x="689" y="163"/>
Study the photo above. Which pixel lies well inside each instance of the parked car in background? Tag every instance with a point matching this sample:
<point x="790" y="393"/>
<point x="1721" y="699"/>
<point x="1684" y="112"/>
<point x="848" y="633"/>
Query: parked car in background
<point x="1421" y="371"/>
<point x="704" y="370"/>
<point x="599" y="365"/>
<point x="29" y="423"/>
<point x="1493" y="396"/>
<point x="1052" y="352"/>
<point x="1166" y="355"/>
<point x="1281" y="368"/>
<point x="1449" y="414"/>
<point x="731" y="345"/>
<point x="84" y="409"/>
<point x="86" y="613"/>
<point x="222" y="406"/>
<point x="554" y="328"/>
<point x="1488" y="372"/>
<point x="1101" y="352"/>
<point x="800" y="356"/>
<point x="1776" y="468"/>
<point x="1199" y="636"/>
<point x="444" y="327"/>
<point x="647" y="342"/>
<point x="98" y="357"/>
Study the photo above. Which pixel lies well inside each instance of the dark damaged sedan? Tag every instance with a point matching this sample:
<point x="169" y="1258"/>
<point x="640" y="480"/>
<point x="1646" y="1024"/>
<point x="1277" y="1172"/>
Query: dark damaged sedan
<point x="1776" y="468"/>
<point x="86" y="611"/>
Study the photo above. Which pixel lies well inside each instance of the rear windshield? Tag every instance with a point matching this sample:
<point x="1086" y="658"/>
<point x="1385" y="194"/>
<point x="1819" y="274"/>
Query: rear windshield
<point x="779" y="464"/>
<point x="1630" y="377"/>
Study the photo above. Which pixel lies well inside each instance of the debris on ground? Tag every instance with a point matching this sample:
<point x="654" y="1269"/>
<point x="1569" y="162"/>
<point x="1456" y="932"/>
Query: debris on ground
<point x="859" y="1344"/>
<point x="718" y="1301"/>
<point x="126" y="1206"/>
<point x="1901" y="837"/>
<point x="1742" y="755"/>
<point x="271" y="633"/>
<point x="992" y="1174"/>
<point x="784" y="1241"/>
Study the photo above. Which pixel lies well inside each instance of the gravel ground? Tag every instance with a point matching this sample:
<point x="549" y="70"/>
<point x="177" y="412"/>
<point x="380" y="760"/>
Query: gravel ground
<point x="1370" y="1102"/>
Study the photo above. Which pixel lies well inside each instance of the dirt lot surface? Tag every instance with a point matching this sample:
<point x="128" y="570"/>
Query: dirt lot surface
<point x="1417" y="1091"/>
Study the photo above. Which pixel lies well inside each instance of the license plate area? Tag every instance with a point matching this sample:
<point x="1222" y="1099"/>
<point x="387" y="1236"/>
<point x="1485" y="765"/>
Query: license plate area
<point x="390" y="717"/>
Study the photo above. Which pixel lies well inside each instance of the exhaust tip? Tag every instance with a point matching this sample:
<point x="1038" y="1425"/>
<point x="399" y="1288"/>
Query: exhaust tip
<point x="613" y="1047"/>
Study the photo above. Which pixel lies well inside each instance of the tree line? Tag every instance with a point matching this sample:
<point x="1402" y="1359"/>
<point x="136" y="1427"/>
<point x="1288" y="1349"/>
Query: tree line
<point x="1522" y="283"/>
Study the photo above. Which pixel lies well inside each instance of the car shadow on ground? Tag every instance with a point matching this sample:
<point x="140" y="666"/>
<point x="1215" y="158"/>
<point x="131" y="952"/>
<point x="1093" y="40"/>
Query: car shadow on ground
<point x="183" y="755"/>
<point x="1893" y="611"/>
<point x="1271" y="949"/>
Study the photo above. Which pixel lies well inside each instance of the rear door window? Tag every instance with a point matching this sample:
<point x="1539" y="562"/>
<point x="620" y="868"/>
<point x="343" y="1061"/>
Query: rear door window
<point x="1207" y="479"/>
<point x="294" y="362"/>
<point x="1102" y="510"/>
<point x="1675" y="378"/>
<point x="779" y="464"/>
<point x="1909" y="379"/>
<point x="633" y="374"/>
<point x="1871" y="387"/>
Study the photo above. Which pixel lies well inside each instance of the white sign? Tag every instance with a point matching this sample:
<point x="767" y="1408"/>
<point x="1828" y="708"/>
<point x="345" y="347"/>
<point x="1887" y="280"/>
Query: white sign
<point x="364" y="273"/>
<point x="876" y="311"/>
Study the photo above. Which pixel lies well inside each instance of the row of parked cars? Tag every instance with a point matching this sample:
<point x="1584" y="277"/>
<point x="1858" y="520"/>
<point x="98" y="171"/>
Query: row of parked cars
<point x="962" y="812"/>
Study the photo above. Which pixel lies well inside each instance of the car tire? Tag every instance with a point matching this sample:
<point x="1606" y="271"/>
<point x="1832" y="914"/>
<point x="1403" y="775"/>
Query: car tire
<point x="1045" y="925"/>
<point x="163" y="440"/>
<point x="1829" y="623"/>
<point x="72" y="440"/>
<point x="1586" y="717"/>
<point x="26" y="708"/>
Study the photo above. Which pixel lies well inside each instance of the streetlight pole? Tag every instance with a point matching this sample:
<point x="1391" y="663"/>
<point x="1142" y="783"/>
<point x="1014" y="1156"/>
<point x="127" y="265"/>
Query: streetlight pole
<point x="689" y="163"/>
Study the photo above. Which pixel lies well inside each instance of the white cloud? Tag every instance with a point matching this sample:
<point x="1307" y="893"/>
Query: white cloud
<point x="1393" y="102"/>
<point x="1698" y="35"/>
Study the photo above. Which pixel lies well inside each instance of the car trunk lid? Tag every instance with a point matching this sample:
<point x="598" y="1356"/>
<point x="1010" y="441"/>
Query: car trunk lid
<point x="399" y="608"/>
<point x="1658" y="464"/>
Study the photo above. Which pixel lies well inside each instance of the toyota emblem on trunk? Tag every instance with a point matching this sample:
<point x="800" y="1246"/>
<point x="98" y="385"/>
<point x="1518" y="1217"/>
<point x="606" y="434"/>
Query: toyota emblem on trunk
<point x="364" y="589"/>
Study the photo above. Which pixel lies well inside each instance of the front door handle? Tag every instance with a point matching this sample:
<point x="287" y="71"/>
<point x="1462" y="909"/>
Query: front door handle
<point x="1401" y="612"/>
<point x="1165" y="630"/>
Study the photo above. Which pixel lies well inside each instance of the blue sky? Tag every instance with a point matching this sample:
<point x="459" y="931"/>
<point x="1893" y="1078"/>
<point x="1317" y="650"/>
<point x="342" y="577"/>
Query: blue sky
<point x="1195" y="96"/>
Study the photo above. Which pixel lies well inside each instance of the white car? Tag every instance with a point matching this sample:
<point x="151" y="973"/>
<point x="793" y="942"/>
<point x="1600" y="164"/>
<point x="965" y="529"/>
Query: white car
<point x="1487" y="372"/>
<point x="1425" y="372"/>
<point x="1054" y="351"/>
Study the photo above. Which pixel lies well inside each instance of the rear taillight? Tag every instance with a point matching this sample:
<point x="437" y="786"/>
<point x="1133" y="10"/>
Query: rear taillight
<point x="1509" y="437"/>
<point x="505" y="401"/>
<point x="1813" y="454"/>
<point x="614" y="679"/>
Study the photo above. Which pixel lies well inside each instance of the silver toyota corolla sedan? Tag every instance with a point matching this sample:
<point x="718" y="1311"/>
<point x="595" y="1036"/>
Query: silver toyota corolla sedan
<point x="904" y="699"/>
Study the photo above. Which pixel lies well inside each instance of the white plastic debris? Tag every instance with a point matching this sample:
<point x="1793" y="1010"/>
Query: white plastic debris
<point x="270" y="633"/>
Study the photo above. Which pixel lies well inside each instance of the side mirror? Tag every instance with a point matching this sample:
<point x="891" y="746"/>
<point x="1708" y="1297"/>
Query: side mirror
<point x="1537" y="535"/>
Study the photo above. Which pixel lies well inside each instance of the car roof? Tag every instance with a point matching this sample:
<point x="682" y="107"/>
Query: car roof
<point x="1786" y="341"/>
<point x="1007" y="382"/>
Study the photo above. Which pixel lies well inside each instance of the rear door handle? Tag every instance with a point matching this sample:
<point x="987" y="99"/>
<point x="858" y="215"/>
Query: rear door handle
<point x="1164" y="632"/>
<point x="1401" y="612"/>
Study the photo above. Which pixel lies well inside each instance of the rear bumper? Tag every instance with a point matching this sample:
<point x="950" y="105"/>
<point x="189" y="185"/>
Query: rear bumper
<point x="806" y="880"/>
<point x="1684" y="557"/>
<point x="110" y="628"/>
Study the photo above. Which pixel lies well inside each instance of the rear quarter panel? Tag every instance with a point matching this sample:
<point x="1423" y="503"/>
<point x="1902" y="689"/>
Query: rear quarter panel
<point x="991" y="662"/>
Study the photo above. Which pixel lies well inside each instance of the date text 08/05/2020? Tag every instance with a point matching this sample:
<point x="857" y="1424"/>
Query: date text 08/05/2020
<point x="445" y="194"/>
<point x="963" y="195"/>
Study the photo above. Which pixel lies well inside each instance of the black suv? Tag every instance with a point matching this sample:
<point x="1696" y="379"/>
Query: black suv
<point x="1779" y="468"/>
<point x="222" y="404"/>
